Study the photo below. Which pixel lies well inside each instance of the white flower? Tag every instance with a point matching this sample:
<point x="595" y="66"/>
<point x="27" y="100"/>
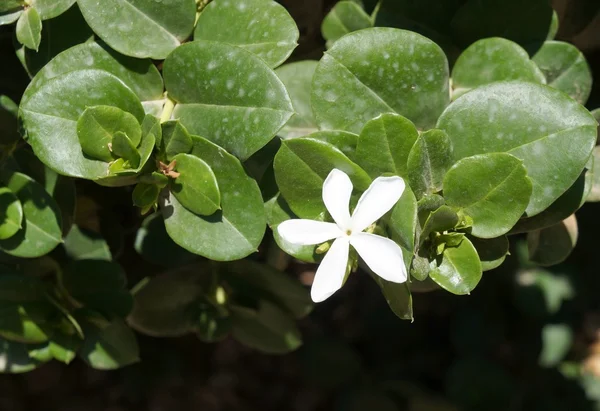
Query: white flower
<point x="382" y="255"/>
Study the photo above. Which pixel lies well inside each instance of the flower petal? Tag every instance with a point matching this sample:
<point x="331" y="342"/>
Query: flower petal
<point x="331" y="272"/>
<point x="337" y="190"/>
<point x="307" y="232"/>
<point x="379" y="198"/>
<point x="382" y="255"/>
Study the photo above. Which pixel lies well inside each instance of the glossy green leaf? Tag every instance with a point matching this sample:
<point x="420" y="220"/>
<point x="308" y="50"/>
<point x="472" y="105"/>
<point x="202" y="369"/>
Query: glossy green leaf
<point x="108" y="345"/>
<point x="552" y="245"/>
<point x="261" y="280"/>
<point x="384" y="145"/>
<point x="535" y="123"/>
<point x="566" y="69"/>
<point x="144" y="28"/>
<point x="97" y="126"/>
<point x="492" y="189"/>
<point x="239" y="106"/>
<point x="196" y="188"/>
<point x="84" y="244"/>
<point x="41" y="225"/>
<point x="459" y="271"/>
<point x="380" y="70"/>
<point x="404" y="221"/>
<point x="268" y="329"/>
<point x="490" y="60"/>
<point x="301" y="167"/>
<point x="492" y="252"/>
<point x="141" y="76"/>
<point x="440" y="220"/>
<point x="51" y="8"/>
<point x="344" y="18"/>
<point x="98" y="285"/>
<point x="15" y="359"/>
<point x="175" y="139"/>
<point x="398" y="297"/>
<point x="10" y="17"/>
<point x="297" y="78"/>
<point x="231" y="233"/>
<point x="29" y="29"/>
<point x="154" y="244"/>
<point x="50" y="117"/>
<point x="342" y="140"/>
<point x="165" y="306"/>
<point x="428" y="160"/>
<point x="11" y="213"/>
<point x="264" y="28"/>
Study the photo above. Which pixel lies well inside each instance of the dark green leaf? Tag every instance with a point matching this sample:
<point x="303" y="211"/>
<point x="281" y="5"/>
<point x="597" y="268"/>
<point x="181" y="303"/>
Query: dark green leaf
<point x="297" y="78"/>
<point x="144" y="28"/>
<point x="404" y="221"/>
<point x="535" y="123"/>
<point x="459" y="271"/>
<point x="342" y="140"/>
<point x="231" y="233"/>
<point x="50" y="117"/>
<point x="492" y="251"/>
<point x="380" y="70"/>
<point x="41" y="227"/>
<point x="10" y="5"/>
<point x="492" y="189"/>
<point x="196" y="188"/>
<point x="440" y="220"/>
<point x="552" y="245"/>
<point x="384" y="145"/>
<point x="398" y="298"/>
<point x="344" y="18"/>
<point x="145" y="196"/>
<point x="301" y="167"/>
<point x="84" y="244"/>
<point x="490" y="60"/>
<point x="15" y="358"/>
<point x="29" y="29"/>
<point x="268" y="329"/>
<point x="212" y="327"/>
<point x="175" y="139"/>
<point x="11" y="213"/>
<point x="123" y="147"/>
<point x="565" y="68"/>
<point x="8" y="121"/>
<point x="264" y="28"/>
<point x="227" y="94"/>
<point x="428" y="161"/>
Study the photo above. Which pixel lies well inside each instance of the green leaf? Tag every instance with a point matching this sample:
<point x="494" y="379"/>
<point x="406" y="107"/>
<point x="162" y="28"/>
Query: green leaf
<point x="459" y="270"/>
<point x="231" y="233"/>
<point x="84" y="244"/>
<point x="492" y="252"/>
<point x="9" y="127"/>
<point x="554" y="26"/>
<point x="301" y="167"/>
<point x="380" y="70"/>
<point x="10" y="5"/>
<point x="29" y="29"/>
<point x="428" y="161"/>
<point x="175" y="139"/>
<point x="145" y="196"/>
<point x="493" y="189"/>
<point x="404" y="221"/>
<point x="535" y="123"/>
<point x="97" y="127"/>
<point x="50" y="117"/>
<point x="240" y="106"/>
<point x="342" y="140"/>
<point x="141" y="76"/>
<point x="154" y="244"/>
<point x="556" y="342"/>
<point x="144" y="28"/>
<point x="268" y="329"/>
<point x="594" y="194"/>
<point x="344" y="18"/>
<point x="552" y="245"/>
<point x="490" y="60"/>
<point x="123" y="147"/>
<point x="196" y="188"/>
<point x="98" y="285"/>
<point x="254" y="279"/>
<point x="384" y="145"/>
<point x="108" y="345"/>
<point x="10" y="17"/>
<point x="212" y="326"/>
<point x="264" y="28"/>
<point x="15" y="359"/>
<point x="165" y="306"/>
<point x="297" y="78"/>
<point x="566" y="69"/>
<point x="11" y="213"/>
<point x="41" y="225"/>
<point x="64" y="347"/>
<point x="398" y="297"/>
<point x="51" y="8"/>
<point x="440" y="220"/>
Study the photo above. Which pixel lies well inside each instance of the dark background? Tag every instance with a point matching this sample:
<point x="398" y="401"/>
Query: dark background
<point x="477" y="352"/>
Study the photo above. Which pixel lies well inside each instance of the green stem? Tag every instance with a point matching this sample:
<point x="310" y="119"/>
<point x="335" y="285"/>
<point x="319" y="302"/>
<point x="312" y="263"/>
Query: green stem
<point x="167" y="110"/>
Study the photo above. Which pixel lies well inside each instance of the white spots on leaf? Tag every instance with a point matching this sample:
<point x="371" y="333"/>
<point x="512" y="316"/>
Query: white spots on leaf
<point x="229" y="84"/>
<point x="386" y="55"/>
<point x="241" y="92"/>
<point x="212" y="65"/>
<point x="241" y="6"/>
